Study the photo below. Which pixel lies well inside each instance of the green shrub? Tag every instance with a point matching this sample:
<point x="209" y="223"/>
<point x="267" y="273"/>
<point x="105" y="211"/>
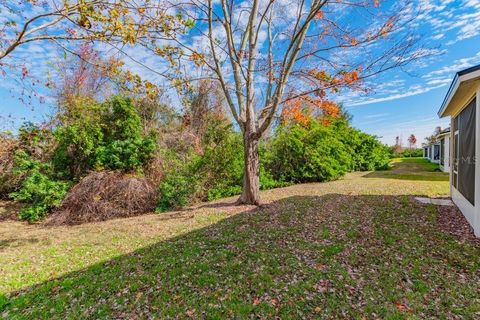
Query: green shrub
<point x="214" y="173"/>
<point x="78" y="141"/>
<point x="308" y="153"/>
<point x="318" y="152"/>
<point x="223" y="191"/>
<point x="102" y="136"/>
<point x="124" y="146"/>
<point x="128" y="154"/>
<point x="221" y="165"/>
<point x="267" y="179"/>
<point x="38" y="191"/>
<point x="35" y="140"/>
<point x="367" y="152"/>
<point x="176" y="191"/>
<point x="410" y="153"/>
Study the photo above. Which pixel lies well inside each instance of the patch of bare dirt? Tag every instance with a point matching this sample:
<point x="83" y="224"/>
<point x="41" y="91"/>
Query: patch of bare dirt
<point x="9" y="210"/>
<point x="452" y="221"/>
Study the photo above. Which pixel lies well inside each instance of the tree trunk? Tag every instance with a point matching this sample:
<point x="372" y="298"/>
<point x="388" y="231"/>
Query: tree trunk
<point x="251" y="177"/>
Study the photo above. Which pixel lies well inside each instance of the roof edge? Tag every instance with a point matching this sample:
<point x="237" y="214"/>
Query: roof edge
<point x="448" y="96"/>
<point x="468" y="70"/>
<point x="454" y="86"/>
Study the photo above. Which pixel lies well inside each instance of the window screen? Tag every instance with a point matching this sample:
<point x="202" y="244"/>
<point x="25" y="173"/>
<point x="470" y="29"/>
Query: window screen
<point x="455" y="161"/>
<point x="436" y="152"/>
<point x="466" y="152"/>
<point x="442" y="152"/>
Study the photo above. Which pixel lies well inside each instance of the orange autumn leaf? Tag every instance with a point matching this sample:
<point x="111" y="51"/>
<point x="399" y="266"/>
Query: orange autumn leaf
<point x="354" y="41"/>
<point x="350" y="77"/>
<point x="402" y="307"/>
<point x="387" y="27"/>
<point x="319" y="15"/>
<point x="197" y="58"/>
<point x="303" y="109"/>
<point x="295" y="112"/>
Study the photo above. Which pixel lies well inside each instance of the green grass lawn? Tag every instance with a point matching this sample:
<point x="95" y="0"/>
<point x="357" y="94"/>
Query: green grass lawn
<point x="359" y="248"/>
<point x="412" y="169"/>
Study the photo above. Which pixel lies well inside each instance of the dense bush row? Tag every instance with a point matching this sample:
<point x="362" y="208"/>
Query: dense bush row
<point x="406" y="153"/>
<point x="196" y="155"/>
<point x="318" y="152"/>
<point x="295" y="153"/>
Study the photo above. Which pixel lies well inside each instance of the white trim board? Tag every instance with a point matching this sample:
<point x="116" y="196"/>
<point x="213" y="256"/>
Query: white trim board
<point x="465" y="207"/>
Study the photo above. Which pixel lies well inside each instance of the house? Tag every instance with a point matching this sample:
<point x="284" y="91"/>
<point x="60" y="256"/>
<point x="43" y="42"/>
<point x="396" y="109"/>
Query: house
<point x="432" y="150"/>
<point x="435" y="152"/>
<point x="443" y="140"/>
<point x="439" y="150"/>
<point x="427" y="151"/>
<point x="462" y="104"/>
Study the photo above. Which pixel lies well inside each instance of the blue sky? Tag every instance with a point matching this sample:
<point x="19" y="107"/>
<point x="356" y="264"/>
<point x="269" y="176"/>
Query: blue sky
<point x="402" y="102"/>
<point x="413" y="106"/>
<point x="452" y="28"/>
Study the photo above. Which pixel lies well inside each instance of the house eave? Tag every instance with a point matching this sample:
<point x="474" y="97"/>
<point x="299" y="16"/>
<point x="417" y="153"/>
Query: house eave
<point x="453" y="88"/>
<point x="459" y="82"/>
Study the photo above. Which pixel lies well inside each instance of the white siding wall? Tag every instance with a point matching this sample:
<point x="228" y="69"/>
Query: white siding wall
<point x="471" y="213"/>
<point x="447" y="154"/>
<point x="446" y="160"/>
<point x="476" y="224"/>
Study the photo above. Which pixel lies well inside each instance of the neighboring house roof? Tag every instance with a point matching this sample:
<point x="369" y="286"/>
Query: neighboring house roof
<point x="443" y="133"/>
<point x="427" y="145"/>
<point x="460" y="91"/>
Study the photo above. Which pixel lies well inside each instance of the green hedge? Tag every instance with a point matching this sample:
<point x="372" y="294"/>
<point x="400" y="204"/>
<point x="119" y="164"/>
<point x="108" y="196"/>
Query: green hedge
<point x="316" y="152"/>
<point x="110" y="136"/>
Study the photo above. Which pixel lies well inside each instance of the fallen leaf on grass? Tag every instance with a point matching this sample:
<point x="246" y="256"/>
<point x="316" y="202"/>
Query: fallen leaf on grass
<point x="403" y="307"/>
<point x="322" y="286"/>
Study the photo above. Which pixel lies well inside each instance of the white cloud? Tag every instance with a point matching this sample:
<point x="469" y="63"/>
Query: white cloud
<point x="412" y="91"/>
<point x="456" y="66"/>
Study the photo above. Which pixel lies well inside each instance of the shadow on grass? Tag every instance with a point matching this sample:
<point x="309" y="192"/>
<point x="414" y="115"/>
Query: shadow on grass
<point x="17" y="242"/>
<point x="334" y="256"/>
<point x="414" y="169"/>
<point x="426" y="176"/>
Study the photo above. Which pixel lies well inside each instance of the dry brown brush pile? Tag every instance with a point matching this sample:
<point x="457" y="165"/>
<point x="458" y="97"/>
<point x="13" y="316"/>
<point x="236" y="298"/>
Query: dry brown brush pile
<point x="8" y="180"/>
<point x="105" y="195"/>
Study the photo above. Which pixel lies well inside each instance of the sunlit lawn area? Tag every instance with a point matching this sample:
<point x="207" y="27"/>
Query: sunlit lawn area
<point x="413" y="169"/>
<point x="353" y="248"/>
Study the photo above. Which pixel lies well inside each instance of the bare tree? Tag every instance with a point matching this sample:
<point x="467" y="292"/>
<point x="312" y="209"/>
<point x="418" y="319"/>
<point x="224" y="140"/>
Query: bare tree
<point x="266" y="53"/>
